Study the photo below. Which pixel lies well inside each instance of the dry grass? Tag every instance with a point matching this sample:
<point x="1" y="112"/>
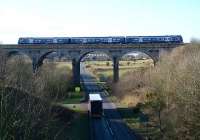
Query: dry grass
<point x="170" y="92"/>
<point x="103" y="70"/>
<point x="27" y="110"/>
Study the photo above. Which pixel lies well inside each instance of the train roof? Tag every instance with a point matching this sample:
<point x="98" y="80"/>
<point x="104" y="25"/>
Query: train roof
<point x="95" y="37"/>
<point x="95" y="97"/>
<point x="156" y="36"/>
<point x="42" y="37"/>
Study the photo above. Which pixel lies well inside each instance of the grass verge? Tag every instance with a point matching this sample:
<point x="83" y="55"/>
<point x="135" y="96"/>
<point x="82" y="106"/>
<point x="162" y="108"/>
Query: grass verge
<point x="73" y="98"/>
<point x="79" y="127"/>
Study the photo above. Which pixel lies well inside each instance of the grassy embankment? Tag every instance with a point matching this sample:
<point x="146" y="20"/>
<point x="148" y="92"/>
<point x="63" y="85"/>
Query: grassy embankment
<point x="29" y="102"/>
<point x="167" y="94"/>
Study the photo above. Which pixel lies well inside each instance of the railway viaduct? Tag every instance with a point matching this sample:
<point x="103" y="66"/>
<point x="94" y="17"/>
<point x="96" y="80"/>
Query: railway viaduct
<point x="37" y="53"/>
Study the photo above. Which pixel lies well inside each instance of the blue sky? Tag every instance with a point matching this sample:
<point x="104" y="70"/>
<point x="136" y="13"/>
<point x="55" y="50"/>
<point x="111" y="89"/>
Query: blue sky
<point x="22" y="18"/>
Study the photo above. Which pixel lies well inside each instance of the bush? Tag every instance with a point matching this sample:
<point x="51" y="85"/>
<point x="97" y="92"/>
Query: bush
<point x="176" y="81"/>
<point x="170" y="91"/>
<point x="27" y="109"/>
<point x="107" y="64"/>
<point x="26" y="117"/>
<point x="55" y="82"/>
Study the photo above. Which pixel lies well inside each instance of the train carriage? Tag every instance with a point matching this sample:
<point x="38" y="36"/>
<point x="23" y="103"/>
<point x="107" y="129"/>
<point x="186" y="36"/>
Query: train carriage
<point x="154" y="39"/>
<point x="25" y="41"/>
<point x="120" y="40"/>
<point x="132" y="39"/>
<point x="44" y="40"/>
<point x="97" y="40"/>
<point x="103" y="40"/>
<point x="62" y="40"/>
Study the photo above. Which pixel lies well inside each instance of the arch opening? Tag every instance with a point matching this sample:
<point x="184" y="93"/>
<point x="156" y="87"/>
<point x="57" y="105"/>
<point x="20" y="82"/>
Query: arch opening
<point x="52" y="56"/>
<point x="95" y="54"/>
<point x="98" y="63"/>
<point x="135" y="60"/>
<point x="15" y="57"/>
<point x="12" y="54"/>
<point x="45" y="56"/>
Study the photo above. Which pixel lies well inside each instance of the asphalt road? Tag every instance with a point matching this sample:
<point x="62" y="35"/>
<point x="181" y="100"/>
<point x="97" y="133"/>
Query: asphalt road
<point x="110" y="126"/>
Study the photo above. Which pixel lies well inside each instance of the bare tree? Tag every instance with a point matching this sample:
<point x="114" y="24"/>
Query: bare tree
<point x="3" y="61"/>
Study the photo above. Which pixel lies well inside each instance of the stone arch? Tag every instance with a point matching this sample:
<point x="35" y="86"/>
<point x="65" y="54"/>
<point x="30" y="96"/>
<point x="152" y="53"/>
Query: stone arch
<point x="153" y="54"/>
<point x="10" y="54"/>
<point x="108" y="53"/>
<point x="42" y="57"/>
<point x="98" y="51"/>
<point x="14" y="53"/>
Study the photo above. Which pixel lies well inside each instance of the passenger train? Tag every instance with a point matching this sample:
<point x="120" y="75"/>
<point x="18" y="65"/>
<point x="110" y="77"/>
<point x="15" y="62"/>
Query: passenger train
<point x="102" y="40"/>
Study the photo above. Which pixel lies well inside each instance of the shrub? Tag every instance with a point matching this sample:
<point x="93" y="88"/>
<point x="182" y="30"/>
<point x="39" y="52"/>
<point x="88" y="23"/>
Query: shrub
<point x="27" y="109"/>
<point x="170" y="91"/>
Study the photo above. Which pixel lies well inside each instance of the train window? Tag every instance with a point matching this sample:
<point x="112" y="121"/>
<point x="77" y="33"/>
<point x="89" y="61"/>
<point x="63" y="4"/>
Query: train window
<point x="54" y="40"/>
<point x="85" y="40"/>
<point x="30" y="40"/>
<point x="97" y="40"/>
<point x="135" y="39"/>
<point x="91" y="40"/>
<point x="146" y="39"/>
<point x="110" y="40"/>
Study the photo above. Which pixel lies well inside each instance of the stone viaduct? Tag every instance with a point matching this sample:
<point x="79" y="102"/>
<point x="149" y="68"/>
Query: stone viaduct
<point x="38" y="52"/>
